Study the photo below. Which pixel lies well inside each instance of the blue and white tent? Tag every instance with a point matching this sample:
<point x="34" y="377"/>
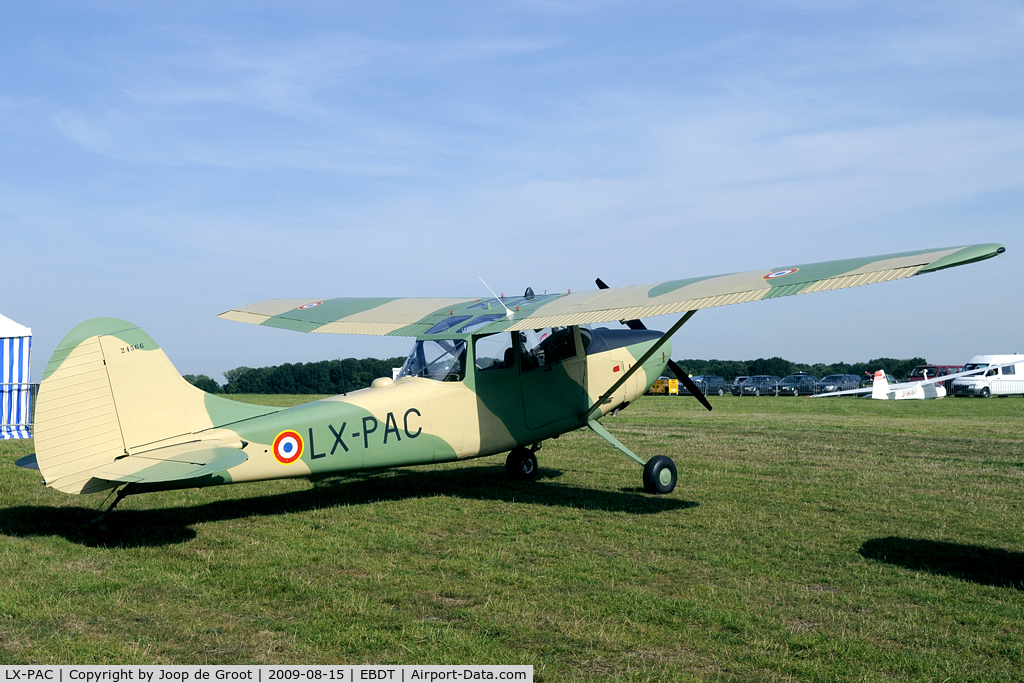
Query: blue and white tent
<point x="15" y="380"/>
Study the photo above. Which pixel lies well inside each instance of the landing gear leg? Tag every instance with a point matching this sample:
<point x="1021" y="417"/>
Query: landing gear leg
<point x="521" y="464"/>
<point x="659" y="471"/>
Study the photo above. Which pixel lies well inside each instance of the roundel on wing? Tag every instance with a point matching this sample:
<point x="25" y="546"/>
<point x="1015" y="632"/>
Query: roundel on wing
<point x="288" y="447"/>
<point x="303" y="307"/>
<point x="780" y="273"/>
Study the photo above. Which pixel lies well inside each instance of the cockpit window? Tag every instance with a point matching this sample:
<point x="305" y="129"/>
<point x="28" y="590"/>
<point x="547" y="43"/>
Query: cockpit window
<point x="479" y="322"/>
<point x="494" y="351"/>
<point x="442" y="360"/>
<point x="447" y="323"/>
<point x="539" y="348"/>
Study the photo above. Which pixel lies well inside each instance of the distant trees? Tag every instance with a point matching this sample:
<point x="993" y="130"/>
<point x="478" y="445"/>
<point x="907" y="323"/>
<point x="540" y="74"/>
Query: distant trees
<point x="322" y="377"/>
<point x="207" y="384"/>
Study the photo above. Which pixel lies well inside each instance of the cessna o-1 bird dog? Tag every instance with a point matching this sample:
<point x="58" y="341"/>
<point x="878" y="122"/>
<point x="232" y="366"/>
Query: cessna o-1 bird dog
<point x="484" y="377"/>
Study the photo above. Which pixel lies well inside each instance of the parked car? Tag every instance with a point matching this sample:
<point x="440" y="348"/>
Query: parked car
<point x="736" y="383"/>
<point x="708" y="384"/>
<point x="830" y="383"/>
<point x="760" y="385"/>
<point x="1005" y="381"/>
<point x="934" y="371"/>
<point x="798" y="384"/>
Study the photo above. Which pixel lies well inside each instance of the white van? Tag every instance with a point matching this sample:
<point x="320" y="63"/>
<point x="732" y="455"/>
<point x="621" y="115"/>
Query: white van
<point x="1005" y="381"/>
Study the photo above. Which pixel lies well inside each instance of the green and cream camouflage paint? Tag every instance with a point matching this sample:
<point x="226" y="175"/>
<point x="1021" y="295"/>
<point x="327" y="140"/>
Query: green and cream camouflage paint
<point x="113" y="411"/>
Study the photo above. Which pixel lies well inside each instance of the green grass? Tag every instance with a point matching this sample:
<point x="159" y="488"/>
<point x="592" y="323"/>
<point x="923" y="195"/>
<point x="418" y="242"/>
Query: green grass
<point x="820" y="540"/>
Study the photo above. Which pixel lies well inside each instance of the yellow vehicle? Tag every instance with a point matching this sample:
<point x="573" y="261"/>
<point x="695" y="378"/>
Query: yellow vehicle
<point x="665" y="387"/>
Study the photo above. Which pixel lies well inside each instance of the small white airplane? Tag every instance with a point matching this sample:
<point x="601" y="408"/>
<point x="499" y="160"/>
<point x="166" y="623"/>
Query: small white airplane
<point x="921" y="389"/>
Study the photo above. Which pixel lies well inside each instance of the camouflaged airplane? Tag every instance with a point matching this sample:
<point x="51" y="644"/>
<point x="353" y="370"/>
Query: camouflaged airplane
<point x="485" y="376"/>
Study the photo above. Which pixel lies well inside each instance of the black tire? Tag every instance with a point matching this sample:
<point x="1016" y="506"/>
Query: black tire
<point x="721" y="392"/>
<point x="521" y="464"/>
<point x="660" y="475"/>
<point x="757" y="392"/>
<point x="985" y="393"/>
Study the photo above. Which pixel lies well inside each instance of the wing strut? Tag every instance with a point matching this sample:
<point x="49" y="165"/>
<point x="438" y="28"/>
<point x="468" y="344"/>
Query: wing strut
<point x="585" y="417"/>
<point x="599" y="429"/>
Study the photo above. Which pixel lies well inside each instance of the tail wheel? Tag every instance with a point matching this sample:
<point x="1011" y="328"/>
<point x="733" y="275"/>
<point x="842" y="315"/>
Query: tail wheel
<point x="660" y="475"/>
<point x="521" y="464"/>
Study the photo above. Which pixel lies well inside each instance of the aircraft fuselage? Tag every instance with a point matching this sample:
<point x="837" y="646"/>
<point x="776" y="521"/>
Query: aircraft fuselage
<point x="456" y="413"/>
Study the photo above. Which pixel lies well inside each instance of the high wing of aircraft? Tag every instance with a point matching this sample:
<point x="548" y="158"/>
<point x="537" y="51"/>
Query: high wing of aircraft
<point x="485" y="376"/>
<point x="921" y="389"/>
<point x="415" y="316"/>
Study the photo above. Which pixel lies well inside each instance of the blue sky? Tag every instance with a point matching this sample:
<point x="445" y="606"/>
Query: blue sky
<point x="164" y="162"/>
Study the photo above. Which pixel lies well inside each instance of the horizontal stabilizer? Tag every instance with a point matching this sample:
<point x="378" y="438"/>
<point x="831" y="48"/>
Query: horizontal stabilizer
<point x="173" y="463"/>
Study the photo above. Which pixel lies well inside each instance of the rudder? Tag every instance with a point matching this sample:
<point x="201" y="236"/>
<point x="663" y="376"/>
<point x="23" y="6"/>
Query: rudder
<point x="880" y="387"/>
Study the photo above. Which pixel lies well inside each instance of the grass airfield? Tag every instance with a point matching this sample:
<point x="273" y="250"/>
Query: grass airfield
<point x="819" y="540"/>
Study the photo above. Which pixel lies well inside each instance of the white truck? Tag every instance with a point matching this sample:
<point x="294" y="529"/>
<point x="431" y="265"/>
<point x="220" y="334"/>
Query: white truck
<point x="1007" y="380"/>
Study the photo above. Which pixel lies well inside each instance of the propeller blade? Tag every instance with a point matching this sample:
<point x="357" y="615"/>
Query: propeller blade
<point x="688" y="383"/>
<point x="683" y="377"/>
<point x="631" y="324"/>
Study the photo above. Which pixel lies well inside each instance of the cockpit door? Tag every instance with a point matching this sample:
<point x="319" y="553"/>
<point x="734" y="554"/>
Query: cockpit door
<point x="552" y="375"/>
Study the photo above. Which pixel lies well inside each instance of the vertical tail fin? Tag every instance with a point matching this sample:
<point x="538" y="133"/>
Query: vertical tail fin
<point x="109" y="391"/>
<point x="881" y="386"/>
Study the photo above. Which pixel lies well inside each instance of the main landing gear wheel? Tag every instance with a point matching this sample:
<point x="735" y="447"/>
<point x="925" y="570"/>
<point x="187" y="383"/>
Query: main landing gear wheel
<point x="659" y="475"/>
<point x="521" y="464"/>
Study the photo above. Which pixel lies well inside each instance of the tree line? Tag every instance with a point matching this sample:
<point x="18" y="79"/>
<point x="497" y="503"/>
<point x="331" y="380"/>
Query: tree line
<point x="321" y="377"/>
<point x="341" y="376"/>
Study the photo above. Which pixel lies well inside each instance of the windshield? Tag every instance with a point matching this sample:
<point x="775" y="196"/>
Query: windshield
<point x="442" y="360"/>
<point x="975" y="366"/>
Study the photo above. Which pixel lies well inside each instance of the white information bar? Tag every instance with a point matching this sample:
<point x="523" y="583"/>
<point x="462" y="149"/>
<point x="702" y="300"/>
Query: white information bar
<point x="110" y="673"/>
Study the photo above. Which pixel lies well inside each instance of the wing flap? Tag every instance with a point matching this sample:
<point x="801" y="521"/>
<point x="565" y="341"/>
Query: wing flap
<point x="173" y="463"/>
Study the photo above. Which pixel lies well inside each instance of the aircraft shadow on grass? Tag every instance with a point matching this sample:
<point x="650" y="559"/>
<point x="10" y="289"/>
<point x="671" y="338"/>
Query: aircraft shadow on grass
<point x="165" y="526"/>
<point x="975" y="563"/>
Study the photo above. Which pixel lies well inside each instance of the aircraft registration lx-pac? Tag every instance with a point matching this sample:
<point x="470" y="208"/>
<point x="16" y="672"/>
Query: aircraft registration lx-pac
<point x="484" y="377"/>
